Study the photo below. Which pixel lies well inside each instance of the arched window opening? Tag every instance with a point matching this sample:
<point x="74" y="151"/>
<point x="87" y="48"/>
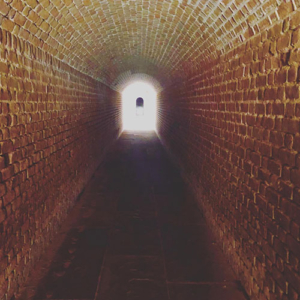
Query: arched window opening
<point x="139" y="106"/>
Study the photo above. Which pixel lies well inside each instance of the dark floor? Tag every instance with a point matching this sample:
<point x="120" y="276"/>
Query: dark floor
<point x="135" y="235"/>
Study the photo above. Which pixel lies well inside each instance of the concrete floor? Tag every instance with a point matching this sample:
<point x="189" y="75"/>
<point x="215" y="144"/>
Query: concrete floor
<point x="135" y="234"/>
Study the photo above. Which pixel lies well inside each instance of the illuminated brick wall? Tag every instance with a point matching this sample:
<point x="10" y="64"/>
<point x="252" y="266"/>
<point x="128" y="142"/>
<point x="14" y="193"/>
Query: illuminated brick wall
<point x="55" y="126"/>
<point x="235" y="130"/>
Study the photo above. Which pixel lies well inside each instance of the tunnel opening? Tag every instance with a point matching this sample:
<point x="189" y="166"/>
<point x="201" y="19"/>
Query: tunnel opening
<point x="139" y="107"/>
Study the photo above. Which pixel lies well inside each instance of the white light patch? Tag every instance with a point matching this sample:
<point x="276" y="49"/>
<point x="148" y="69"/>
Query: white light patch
<point x="139" y="118"/>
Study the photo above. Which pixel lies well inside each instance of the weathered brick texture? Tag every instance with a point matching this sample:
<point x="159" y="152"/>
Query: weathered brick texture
<point x="234" y="128"/>
<point x="162" y="38"/>
<point x="55" y="126"/>
<point x="230" y="114"/>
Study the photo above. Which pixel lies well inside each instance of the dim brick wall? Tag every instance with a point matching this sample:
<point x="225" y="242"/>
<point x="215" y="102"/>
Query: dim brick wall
<point x="55" y="125"/>
<point x="235" y="130"/>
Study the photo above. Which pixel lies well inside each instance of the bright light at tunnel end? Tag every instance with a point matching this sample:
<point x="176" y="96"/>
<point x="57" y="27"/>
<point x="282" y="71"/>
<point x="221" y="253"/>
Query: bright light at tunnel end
<point x="132" y="117"/>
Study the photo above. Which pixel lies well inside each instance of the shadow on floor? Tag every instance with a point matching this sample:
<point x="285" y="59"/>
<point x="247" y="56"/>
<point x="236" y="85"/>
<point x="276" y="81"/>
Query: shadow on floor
<point x="136" y="235"/>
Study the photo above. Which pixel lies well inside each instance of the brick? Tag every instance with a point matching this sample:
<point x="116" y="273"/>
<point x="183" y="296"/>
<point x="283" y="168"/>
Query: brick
<point x="294" y="212"/>
<point x="286" y="25"/>
<point x="287" y="157"/>
<point x="8" y="199"/>
<point x="286" y="173"/>
<point x="282" y="219"/>
<point x="4" y="8"/>
<point x="260" y="108"/>
<point x="290" y="125"/>
<point x="2" y="162"/>
<point x="19" y="19"/>
<point x="295" y="173"/>
<point x="296" y="197"/>
<point x="270" y="93"/>
<point x="296" y="38"/>
<point x="2" y="218"/>
<point x="286" y="189"/>
<point x="7" y="25"/>
<point x="3" y="68"/>
<point x="277" y="138"/>
<point x="281" y="93"/>
<point x="247" y="57"/>
<point x="278" y="108"/>
<point x="297" y="110"/>
<point x="283" y="42"/>
<point x="274" y="167"/>
<point x="295" y="231"/>
<point x="280" y="282"/>
<point x="295" y="20"/>
<point x="284" y="9"/>
<point x="68" y="2"/>
<point x="290" y="109"/>
<point x="281" y="77"/>
<point x="6" y="146"/>
<point x="279" y="247"/>
<point x="294" y="56"/>
<point x="274" y="32"/>
<point x="34" y="17"/>
<point x="268" y="251"/>
<point x="261" y="80"/>
<point x="18" y="5"/>
<point x="291" y="275"/>
<point x="32" y="3"/>
<point x="262" y="203"/>
<point x="7" y="173"/>
<point x="256" y="158"/>
<point x="265" y="149"/>
<point x="292" y="92"/>
<point x="269" y="122"/>
<point x="2" y="189"/>
<point x="272" y="196"/>
<point x="292" y="73"/>
<point x="288" y="141"/>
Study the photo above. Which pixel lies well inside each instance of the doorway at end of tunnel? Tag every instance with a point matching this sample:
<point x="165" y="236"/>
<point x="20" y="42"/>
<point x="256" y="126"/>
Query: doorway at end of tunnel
<point x="139" y="107"/>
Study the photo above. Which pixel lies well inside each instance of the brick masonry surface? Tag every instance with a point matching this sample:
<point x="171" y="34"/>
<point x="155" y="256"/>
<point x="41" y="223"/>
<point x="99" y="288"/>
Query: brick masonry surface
<point x="229" y="114"/>
<point x="234" y="129"/>
<point x="55" y="126"/>
<point x="162" y="38"/>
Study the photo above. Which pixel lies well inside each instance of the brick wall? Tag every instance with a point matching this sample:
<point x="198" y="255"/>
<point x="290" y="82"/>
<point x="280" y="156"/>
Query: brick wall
<point x="55" y="125"/>
<point x="235" y="129"/>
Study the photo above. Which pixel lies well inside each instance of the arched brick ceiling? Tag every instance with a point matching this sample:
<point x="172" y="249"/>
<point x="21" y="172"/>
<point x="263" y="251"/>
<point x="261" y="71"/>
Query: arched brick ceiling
<point x="162" y="38"/>
<point x="127" y="78"/>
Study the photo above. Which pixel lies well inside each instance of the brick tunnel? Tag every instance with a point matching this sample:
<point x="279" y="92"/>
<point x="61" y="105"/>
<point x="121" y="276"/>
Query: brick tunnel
<point x="206" y="207"/>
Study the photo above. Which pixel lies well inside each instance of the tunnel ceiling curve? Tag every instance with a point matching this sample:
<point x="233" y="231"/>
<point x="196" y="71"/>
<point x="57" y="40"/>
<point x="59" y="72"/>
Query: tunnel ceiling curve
<point x="163" y="39"/>
<point x="127" y="78"/>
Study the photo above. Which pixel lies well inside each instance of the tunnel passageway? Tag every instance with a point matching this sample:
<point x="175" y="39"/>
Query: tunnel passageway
<point x="226" y="108"/>
<point x="142" y="118"/>
<point x="135" y="233"/>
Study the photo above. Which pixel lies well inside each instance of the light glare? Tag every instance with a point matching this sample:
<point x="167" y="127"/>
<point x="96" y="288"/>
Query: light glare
<point x="141" y="118"/>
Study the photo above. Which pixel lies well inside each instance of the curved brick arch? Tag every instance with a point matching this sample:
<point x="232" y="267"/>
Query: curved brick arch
<point x="95" y="36"/>
<point x="228" y="72"/>
<point x="127" y="78"/>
